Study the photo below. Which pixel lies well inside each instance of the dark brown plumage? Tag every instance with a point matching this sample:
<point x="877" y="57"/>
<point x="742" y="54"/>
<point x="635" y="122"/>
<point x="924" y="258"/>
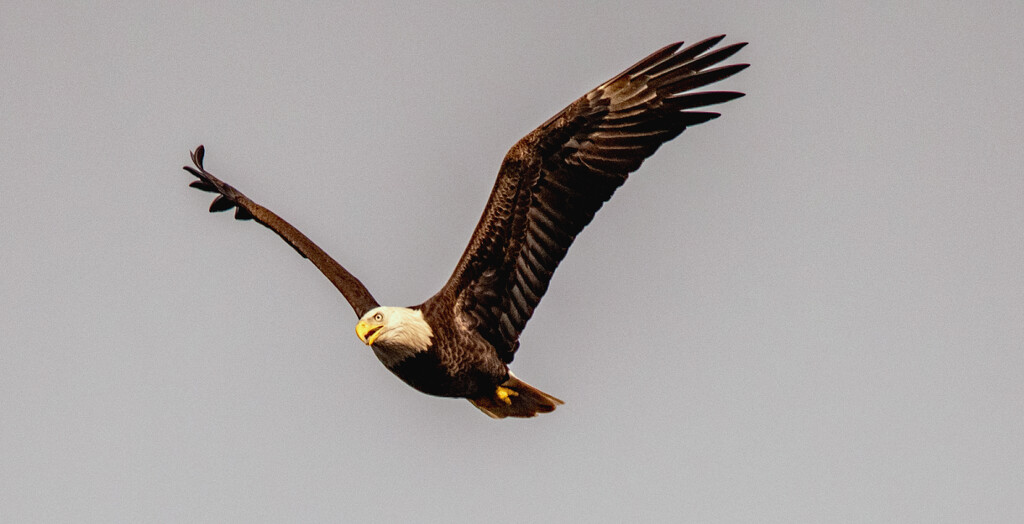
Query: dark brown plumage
<point x="550" y="185"/>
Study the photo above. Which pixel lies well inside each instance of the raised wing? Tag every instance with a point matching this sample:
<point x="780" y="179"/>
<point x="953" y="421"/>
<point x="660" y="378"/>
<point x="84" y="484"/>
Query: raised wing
<point x="554" y="180"/>
<point x="245" y="209"/>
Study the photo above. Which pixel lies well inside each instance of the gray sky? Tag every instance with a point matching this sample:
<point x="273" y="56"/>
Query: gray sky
<point x="811" y="309"/>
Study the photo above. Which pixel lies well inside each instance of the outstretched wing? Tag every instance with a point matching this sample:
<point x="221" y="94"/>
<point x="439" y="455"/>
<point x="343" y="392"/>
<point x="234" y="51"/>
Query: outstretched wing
<point x="553" y="181"/>
<point x="245" y="209"/>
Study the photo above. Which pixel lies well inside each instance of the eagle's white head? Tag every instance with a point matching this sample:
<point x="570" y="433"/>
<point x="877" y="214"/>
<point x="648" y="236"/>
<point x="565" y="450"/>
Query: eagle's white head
<point x="394" y="333"/>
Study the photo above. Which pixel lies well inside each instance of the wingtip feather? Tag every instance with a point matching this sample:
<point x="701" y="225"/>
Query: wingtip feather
<point x="221" y="203"/>
<point x="197" y="156"/>
<point x="242" y="213"/>
<point x="203" y="185"/>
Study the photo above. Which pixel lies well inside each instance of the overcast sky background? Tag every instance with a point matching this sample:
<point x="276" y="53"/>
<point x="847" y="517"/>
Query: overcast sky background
<point x="808" y="310"/>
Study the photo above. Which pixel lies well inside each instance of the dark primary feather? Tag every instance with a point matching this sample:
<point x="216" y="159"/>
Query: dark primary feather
<point x="554" y="180"/>
<point x="245" y="209"/>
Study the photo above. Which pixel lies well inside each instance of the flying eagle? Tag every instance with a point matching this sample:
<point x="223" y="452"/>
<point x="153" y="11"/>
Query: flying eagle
<point x="459" y="342"/>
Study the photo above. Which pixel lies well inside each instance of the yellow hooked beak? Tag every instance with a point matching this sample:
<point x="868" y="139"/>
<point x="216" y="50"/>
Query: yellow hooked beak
<point x="367" y="332"/>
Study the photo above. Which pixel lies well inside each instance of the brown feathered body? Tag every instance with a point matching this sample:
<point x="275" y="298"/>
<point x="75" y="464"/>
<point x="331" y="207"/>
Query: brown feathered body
<point x="458" y="362"/>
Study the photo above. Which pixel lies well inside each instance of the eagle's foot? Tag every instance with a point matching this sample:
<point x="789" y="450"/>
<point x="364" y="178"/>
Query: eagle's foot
<point x="504" y="393"/>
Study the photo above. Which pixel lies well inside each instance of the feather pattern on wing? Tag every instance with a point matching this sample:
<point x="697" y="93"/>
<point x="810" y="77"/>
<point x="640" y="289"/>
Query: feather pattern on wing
<point x="554" y="180"/>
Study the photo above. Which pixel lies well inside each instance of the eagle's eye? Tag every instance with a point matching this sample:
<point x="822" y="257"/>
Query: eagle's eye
<point x="378" y="317"/>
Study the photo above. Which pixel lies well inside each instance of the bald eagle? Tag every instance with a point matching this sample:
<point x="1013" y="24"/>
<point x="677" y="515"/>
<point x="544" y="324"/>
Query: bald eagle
<point x="459" y="342"/>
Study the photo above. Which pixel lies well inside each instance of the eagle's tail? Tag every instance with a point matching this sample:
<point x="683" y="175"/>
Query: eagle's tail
<point x="515" y="398"/>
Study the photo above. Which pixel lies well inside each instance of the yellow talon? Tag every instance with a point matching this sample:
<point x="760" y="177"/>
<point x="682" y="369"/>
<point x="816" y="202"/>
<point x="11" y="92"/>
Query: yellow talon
<point x="504" y="394"/>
